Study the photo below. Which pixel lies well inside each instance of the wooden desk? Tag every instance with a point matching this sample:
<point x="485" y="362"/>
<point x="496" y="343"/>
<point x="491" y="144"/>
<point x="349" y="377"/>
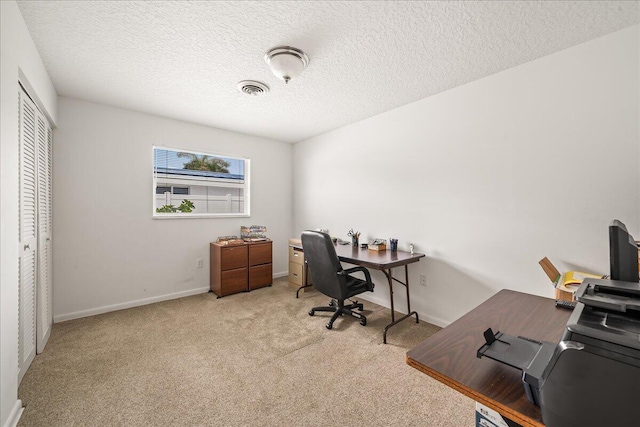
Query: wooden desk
<point x="450" y="355"/>
<point x="384" y="261"/>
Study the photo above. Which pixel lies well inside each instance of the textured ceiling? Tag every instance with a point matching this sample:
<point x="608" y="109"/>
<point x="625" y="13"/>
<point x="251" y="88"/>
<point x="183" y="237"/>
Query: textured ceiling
<point x="183" y="59"/>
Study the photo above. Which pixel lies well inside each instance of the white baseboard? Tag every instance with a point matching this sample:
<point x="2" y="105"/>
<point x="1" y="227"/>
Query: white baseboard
<point x="15" y="414"/>
<point x="434" y="320"/>
<point x="385" y="303"/>
<point x="124" y="305"/>
<point x="115" y="307"/>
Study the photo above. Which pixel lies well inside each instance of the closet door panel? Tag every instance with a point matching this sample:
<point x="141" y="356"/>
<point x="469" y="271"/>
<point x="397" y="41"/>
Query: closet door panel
<point x="44" y="316"/>
<point x="27" y="233"/>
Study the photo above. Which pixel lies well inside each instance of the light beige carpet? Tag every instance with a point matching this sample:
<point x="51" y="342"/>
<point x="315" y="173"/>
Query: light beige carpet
<point x="251" y="359"/>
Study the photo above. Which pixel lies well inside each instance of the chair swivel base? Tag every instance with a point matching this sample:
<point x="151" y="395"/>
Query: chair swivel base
<point x="339" y="308"/>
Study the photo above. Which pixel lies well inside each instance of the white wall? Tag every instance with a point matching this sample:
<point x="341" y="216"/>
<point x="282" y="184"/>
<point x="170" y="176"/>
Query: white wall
<point x="19" y="59"/>
<point x="490" y="177"/>
<point x="108" y="251"/>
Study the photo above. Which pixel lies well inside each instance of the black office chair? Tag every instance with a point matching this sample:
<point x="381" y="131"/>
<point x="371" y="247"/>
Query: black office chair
<point x="330" y="279"/>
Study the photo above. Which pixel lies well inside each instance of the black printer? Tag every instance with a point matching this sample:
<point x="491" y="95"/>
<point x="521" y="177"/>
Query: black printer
<point x="592" y="376"/>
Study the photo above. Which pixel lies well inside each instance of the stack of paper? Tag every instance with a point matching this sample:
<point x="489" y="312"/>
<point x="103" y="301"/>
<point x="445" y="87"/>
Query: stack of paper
<point x="253" y="233"/>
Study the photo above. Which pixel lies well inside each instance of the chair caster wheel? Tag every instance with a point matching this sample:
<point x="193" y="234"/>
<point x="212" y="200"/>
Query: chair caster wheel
<point x="329" y="325"/>
<point x="360" y="308"/>
<point x="332" y="303"/>
<point x="363" y="322"/>
<point x="311" y="312"/>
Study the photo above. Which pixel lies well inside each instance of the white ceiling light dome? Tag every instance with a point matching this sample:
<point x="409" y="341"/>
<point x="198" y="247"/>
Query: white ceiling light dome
<point x="286" y="62"/>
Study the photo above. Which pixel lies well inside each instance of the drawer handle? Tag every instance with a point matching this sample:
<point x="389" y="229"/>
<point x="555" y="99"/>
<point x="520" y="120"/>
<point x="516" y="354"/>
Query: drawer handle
<point x="295" y="254"/>
<point x="295" y="275"/>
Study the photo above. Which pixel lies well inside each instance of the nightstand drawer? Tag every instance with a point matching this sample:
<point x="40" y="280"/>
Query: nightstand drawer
<point x="296" y="273"/>
<point x="233" y="257"/>
<point x="260" y="276"/>
<point x="259" y="253"/>
<point x="233" y="281"/>
<point x="296" y="256"/>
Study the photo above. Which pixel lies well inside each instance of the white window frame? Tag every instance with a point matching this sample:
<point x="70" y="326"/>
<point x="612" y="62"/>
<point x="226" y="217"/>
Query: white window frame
<point x="193" y="181"/>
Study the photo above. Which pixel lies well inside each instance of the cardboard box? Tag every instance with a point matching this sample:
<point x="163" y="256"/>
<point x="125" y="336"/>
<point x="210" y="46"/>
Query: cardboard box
<point x="380" y="247"/>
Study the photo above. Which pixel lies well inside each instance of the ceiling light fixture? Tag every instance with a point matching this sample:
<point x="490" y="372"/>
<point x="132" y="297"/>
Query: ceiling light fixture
<point x="286" y="62"/>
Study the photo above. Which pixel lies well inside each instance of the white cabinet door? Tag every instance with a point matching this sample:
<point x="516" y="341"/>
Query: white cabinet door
<point x="44" y="313"/>
<point x="27" y="233"/>
<point x="35" y="260"/>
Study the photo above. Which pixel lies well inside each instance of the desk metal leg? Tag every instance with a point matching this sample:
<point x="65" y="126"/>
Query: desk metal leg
<point x="306" y="279"/>
<point x="394" y="322"/>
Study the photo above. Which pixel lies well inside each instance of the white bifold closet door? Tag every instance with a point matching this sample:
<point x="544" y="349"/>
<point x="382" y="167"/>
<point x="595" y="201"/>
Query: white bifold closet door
<point x="44" y="312"/>
<point x="34" y="262"/>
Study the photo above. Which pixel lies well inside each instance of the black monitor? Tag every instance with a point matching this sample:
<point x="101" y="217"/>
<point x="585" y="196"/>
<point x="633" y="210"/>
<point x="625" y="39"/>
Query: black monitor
<point x="623" y="253"/>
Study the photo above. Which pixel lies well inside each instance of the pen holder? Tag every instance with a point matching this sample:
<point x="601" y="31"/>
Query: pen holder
<point x="394" y="245"/>
<point x="354" y="241"/>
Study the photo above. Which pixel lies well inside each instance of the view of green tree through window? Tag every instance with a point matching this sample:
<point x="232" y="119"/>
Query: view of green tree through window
<point x="193" y="184"/>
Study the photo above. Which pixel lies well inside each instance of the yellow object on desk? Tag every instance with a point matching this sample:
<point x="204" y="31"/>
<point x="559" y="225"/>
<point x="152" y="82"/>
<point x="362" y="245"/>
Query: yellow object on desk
<point x="567" y="283"/>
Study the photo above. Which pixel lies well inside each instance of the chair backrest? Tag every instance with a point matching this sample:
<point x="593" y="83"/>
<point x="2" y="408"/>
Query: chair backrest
<point x="324" y="265"/>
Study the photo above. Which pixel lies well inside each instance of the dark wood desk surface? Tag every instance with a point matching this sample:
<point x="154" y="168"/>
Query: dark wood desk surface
<point x="377" y="260"/>
<point x="450" y="355"/>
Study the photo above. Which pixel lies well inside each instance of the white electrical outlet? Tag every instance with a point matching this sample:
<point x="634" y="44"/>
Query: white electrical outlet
<point x="423" y="280"/>
<point x="199" y="263"/>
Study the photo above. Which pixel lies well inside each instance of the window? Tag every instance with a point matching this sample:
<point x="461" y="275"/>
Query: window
<point x="174" y="190"/>
<point x="191" y="184"/>
<point x="162" y="190"/>
<point x="180" y="190"/>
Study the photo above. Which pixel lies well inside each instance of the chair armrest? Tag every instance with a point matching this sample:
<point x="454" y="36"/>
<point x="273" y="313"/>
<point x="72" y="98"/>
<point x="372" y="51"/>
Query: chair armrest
<point x="348" y="271"/>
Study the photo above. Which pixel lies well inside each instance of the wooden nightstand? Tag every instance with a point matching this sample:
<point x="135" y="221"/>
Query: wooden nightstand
<point x="240" y="268"/>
